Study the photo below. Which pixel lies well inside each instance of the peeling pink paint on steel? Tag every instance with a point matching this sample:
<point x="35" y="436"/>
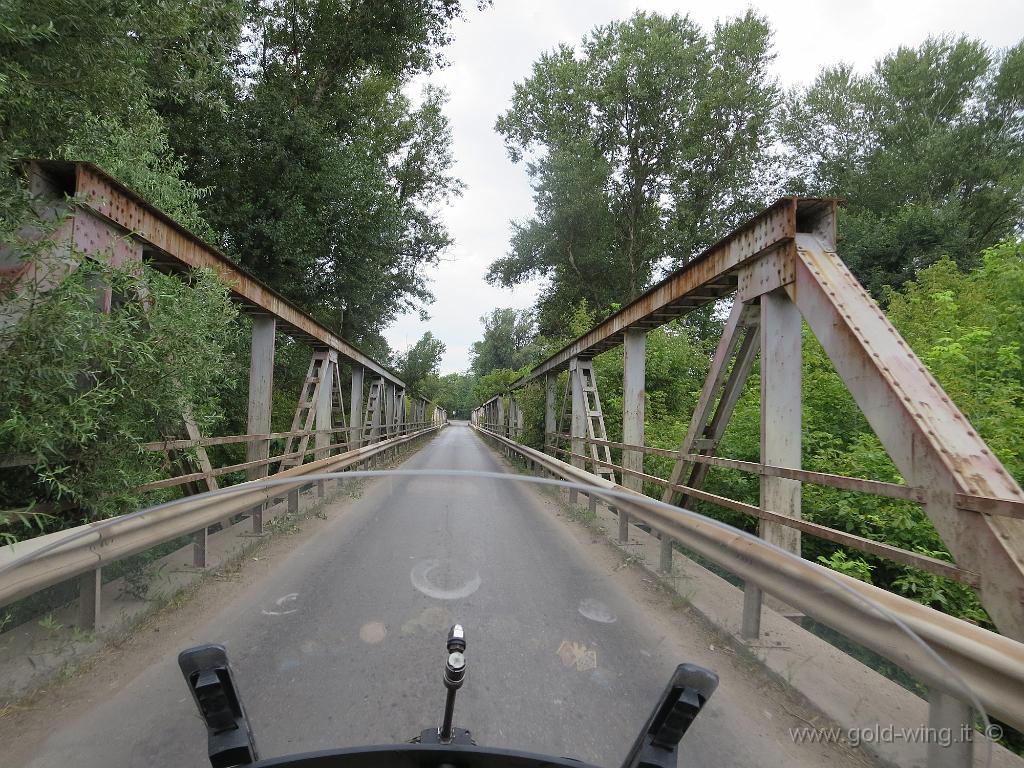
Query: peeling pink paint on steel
<point x="102" y="195"/>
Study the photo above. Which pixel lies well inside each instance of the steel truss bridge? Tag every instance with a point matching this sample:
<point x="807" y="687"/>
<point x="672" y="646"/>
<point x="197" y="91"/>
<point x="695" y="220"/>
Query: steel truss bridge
<point x="781" y="269"/>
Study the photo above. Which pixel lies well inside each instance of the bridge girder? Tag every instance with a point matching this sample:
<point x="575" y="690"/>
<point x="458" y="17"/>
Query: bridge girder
<point x="783" y="267"/>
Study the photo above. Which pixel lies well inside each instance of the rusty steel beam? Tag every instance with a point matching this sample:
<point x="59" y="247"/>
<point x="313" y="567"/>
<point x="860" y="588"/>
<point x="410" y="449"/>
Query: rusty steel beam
<point x="929" y="440"/>
<point x="707" y="278"/>
<point x="111" y="203"/>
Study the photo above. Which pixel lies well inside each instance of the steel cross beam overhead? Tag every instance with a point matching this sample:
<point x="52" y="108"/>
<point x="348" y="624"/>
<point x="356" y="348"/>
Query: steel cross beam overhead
<point x="112" y="211"/>
<point x="705" y="279"/>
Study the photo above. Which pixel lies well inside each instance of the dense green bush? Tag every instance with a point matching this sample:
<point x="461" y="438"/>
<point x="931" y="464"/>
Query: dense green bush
<point x="82" y="389"/>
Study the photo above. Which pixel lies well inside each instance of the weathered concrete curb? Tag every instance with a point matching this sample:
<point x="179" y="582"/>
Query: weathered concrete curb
<point x="854" y="696"/>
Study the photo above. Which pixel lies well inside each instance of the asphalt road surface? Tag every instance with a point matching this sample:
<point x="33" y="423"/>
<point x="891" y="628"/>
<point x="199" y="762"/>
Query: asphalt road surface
<point x="342" y="641"/>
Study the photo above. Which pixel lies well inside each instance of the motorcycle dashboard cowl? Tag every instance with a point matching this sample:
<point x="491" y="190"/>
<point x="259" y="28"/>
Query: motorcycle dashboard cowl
<point x="420" y="756"/>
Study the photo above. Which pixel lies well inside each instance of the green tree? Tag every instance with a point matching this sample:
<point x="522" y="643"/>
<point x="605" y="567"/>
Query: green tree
<point x="418" y="365"/>
<point x="81" y="390"/>
<point x="325" y="178"/>
<point x="643" y="148"/>
<point x="508" y="341"/>
<point x="456" y="394"/>
<point x="497" y="381"/>
<point x="927" y="151"/>
<point x="83" y="84"/>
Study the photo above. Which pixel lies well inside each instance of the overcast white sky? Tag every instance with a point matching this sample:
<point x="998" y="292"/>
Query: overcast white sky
<point x="495" y="48"/>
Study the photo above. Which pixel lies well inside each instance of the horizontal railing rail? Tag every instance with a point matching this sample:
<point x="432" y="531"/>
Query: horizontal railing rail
<point x="205" y="442"/>
<point x="964" y="501"/>
<point x="192" y="477"/>
<point x="896" y="554"/>
<point x="991" y="666"/>
<point x="906" y="557"/>
<point x="163" y="446"/>
<point x="66" y="554"/>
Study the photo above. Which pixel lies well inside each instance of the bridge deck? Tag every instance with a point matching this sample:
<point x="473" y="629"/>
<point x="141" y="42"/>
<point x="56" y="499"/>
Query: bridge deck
<point x="354" y="656"/>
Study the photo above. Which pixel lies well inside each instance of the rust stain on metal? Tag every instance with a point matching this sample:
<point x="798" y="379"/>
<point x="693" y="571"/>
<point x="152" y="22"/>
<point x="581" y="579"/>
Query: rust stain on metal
<point x="112" y="211"/>
<point x="929" y="440"/>
<point x="706" y="278"/>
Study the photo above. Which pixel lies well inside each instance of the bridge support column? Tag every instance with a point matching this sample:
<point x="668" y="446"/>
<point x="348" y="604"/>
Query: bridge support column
<point x="502" y="425"/>
<point x="374" y="413"/>
<point x="633" y="390"/>
<point x="355" y="408"/>
<point x="780" y="414"/>
<point x="515" y="418"/>
<point x="389" y="411"/>
<point x="401" y="423"/>
<point x="550" y="423"/>
<point x="261" y="389"/>
<point x="578" y="429"/>
<point x="89" y="586"/>
<point x="948" y="716"/>
<point x="324" y="411"/>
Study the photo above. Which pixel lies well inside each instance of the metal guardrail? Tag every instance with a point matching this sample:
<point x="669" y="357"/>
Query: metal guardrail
<point x="895" y="554"/>
<point x="168" y="445"/>
<point x="66" y="554"/>
<point x="990" y="665"/>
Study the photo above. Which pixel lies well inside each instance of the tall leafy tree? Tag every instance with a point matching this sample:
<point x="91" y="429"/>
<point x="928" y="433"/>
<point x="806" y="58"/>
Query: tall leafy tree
<point x="419" y="364"/>
<point x="80" y="83"/>
<point x="455" y="393"/>
<point x="325" y="177"/>
<point x="508" y="341"/>
<point x="643" y="146"/>
<point x="927" y="150"/>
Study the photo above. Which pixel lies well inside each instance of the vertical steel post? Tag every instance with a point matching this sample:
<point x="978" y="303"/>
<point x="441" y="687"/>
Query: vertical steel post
<point x="780" y="414"/>
<point x="389" y="409"/>
<point x="550" y="422"/>
<point x="500" y="403"/>
<point x="261" y="391"/>
<point x="634" y="345"/>
<point x="578" y="429"/>
<point x="751" y="628"/>
<point x="952" y="718"/>
<point x="200" y="540"/>
<point x="402" y="420"/>
<point x="355" y="408"/>
<point x="377" y="414"/>
<point x="293" y="501"/>
<point x="89" y="589"/>
<point x="325" y="396"/>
